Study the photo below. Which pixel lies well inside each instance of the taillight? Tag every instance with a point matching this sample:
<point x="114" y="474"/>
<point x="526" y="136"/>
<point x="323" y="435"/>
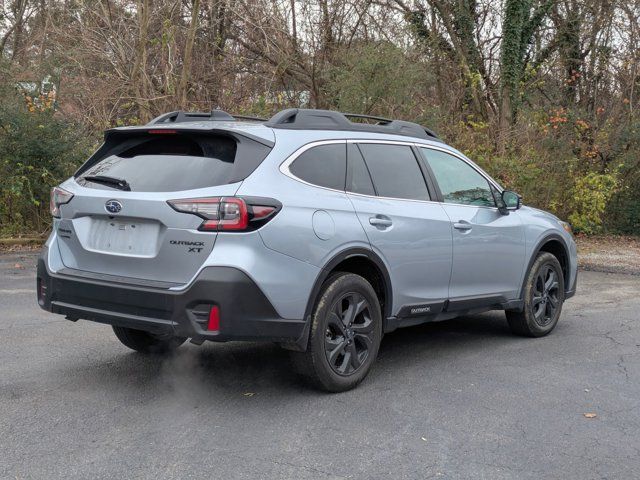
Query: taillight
<point x="59" y="196"/>
<point x="228" y="213"/>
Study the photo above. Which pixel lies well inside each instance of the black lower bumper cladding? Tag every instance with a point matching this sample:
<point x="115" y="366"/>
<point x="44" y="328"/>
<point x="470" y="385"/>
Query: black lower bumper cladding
<point x="245" y="312"/>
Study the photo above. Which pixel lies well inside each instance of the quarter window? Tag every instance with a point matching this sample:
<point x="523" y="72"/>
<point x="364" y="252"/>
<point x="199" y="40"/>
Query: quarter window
<point x="324" y="165"/>
<point x="395" y="171"/>
<point x="459" y="182"/>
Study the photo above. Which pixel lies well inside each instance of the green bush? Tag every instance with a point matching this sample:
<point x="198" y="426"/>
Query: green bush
<point x="590" y="196"/>
<point x="37" y="151"/>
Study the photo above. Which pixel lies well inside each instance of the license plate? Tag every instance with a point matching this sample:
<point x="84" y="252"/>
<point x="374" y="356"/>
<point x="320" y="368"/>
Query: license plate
<point x="125" y="237"/>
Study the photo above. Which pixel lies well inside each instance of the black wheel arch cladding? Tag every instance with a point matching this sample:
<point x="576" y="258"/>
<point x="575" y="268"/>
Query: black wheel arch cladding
<point x="550" y="243"/>
<point x="354" y="260"/>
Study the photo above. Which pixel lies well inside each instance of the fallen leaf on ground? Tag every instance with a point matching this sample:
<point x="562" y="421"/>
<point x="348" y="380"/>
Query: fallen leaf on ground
<point x="590" y="415"/>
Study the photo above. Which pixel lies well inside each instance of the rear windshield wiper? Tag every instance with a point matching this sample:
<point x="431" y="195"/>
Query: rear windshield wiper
<point x="119" y="183"/>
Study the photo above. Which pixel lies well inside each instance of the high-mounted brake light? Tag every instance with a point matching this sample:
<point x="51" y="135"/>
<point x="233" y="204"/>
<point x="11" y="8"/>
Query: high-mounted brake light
<point x="162" y="131"/>
<point x="226" y="213"/>
<point x="59" y="196"/>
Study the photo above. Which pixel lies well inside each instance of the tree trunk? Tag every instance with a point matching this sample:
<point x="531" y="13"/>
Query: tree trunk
<point x="139" y="69"/>
<point x="183" y="86"/>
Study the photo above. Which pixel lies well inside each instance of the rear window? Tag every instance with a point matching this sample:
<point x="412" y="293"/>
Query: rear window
<point x="167" y="163"/>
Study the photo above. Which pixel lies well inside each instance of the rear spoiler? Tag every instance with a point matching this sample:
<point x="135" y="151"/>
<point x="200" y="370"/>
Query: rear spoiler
<point x="169" y="129"/>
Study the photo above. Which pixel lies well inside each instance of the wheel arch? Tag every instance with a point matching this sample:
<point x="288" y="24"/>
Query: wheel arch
<point x="360" y="261"/>
<point x="554" y="244"/>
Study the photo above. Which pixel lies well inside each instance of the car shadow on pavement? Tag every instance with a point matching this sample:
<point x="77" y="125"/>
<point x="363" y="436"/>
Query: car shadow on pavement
<point x="247" y="368"/>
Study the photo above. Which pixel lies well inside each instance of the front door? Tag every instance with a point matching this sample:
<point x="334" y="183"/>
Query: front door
<point x="488" y="247"/>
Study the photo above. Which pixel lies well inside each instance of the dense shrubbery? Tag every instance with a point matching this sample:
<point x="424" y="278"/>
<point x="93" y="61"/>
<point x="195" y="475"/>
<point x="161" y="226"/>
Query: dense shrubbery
<point x="37" y="151"/>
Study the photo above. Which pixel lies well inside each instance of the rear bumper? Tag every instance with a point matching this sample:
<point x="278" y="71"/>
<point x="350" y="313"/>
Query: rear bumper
<point x="245" y="312"/>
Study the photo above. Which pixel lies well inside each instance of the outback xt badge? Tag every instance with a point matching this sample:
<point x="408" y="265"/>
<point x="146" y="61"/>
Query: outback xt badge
<point x="194" y="247"/>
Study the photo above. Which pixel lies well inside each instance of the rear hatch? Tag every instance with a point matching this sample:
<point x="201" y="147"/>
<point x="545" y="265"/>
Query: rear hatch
<point x="124" y="230"/>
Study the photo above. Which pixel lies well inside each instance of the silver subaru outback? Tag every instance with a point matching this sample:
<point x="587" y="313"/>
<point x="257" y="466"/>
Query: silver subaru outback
<point x="311" y="230"/>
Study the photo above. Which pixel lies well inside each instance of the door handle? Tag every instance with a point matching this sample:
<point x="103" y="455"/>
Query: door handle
<point x="380" y="221"/>
<point x="462" y="225"/>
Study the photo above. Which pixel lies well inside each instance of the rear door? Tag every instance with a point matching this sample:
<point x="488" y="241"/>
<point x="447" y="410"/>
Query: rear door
<point x="488" y="247"/>
<point x="136" y="234"/>
<point x="412" y="233"/>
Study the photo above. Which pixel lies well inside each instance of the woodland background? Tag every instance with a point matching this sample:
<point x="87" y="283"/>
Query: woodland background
<point x="544" y="94"/>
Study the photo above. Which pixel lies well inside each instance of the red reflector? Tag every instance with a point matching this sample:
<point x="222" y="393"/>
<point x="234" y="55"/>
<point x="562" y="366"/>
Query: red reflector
<point x="162" y="132"/>
<point x="214" y="319"/>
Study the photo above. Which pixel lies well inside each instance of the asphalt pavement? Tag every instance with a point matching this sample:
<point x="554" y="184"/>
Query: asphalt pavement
<point x="460" y="399"/>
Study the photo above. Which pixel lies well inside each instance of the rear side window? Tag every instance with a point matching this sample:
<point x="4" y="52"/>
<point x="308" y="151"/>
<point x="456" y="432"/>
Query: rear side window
<point x="358" y="178"/>
<point x="168" y="163"/>
<point x="324" y="165"/>
<point x="395" y="171"/>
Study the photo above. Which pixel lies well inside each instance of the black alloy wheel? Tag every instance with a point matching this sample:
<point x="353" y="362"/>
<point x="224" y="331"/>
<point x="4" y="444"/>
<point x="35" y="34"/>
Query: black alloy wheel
<point x="543" y="298"/>
<point x="345" y="334"/>
<point x="349" y="334"/>
<point x="545" y="295"/>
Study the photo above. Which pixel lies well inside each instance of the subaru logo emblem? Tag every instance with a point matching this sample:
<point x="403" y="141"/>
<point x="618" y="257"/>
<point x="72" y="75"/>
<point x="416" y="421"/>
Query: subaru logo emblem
<point x="113" y="206"/>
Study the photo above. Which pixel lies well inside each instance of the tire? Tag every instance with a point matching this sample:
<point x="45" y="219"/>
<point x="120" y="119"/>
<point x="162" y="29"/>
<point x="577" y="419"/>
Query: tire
<point x="145" y="342"/>
<point x="543" y="299"/>
<point x="342" y="346"/>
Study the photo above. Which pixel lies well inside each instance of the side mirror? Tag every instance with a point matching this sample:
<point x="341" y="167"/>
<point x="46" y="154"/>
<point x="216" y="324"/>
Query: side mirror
<point x="506" y="201"/>
<point x="511" y="200"/>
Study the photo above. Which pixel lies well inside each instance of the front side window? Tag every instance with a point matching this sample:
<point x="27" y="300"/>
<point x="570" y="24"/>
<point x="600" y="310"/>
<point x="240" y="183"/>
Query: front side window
<point x="324" y="165"/>
<point x="459" y="182"/>
<point x="394" y="171"/>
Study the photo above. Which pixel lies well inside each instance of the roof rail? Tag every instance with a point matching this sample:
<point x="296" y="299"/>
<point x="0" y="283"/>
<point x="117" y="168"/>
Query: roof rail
<point x="380" y="120"/>
<point x="250" y="118"/>
<point x="309" y="119"/>
<point x="213" y="115"/>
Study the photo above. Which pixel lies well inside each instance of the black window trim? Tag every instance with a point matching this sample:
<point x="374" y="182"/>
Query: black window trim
<point x="375" y="190"/>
